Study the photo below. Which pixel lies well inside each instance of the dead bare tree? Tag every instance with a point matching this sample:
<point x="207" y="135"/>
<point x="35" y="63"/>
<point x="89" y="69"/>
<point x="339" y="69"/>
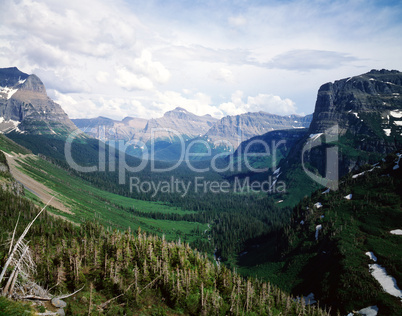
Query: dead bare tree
<point x="19" y="243"/>
<point x="20" y="258"/>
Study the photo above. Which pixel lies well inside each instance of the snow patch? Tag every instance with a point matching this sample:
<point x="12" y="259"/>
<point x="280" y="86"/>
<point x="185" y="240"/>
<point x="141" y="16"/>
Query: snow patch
<point x="387" y="131"/>
<point x="368" y="311"/>
<point x="8" y="91"/>
<point x="356" y="114"/>
<point x="387" y="282"/>
<point x="396" y="232"/>
<point x="371" y="256"/>
<point x="21" y="81"/>
<point x="318" y="205"/>
<point x="348" y="197"/>
<point x="326" y="191"/>
<point x="14" y="126"/>
<point x="277" y="170"/>
<point x="398" y="123"/>
<point x="396" y="113"/>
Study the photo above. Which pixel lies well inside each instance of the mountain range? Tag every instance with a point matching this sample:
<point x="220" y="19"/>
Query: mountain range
<point x="229" y="131"/>
<point x="339" y="212"/>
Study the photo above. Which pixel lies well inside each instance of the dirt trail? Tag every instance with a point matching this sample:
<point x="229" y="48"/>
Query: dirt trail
<point x="37" y="188"/>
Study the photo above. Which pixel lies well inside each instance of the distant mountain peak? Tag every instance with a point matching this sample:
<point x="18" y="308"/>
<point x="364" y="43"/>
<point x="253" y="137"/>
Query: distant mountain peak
<point x="25" y="104"/>
<point x="180" y="109"/>
<point x="177" y="111"/>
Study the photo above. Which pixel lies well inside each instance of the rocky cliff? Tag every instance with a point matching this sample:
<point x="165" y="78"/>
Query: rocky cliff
<point x="369" y="104"/>
<point x="26" y="108"/>
<point x="367" y="109"/>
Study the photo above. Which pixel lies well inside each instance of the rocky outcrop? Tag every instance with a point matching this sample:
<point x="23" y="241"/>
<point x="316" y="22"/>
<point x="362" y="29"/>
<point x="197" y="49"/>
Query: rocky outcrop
<point x="26" y="108"/>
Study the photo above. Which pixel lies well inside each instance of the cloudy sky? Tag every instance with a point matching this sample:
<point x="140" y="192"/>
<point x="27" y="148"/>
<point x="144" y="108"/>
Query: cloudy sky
<point x="141" y="58"/>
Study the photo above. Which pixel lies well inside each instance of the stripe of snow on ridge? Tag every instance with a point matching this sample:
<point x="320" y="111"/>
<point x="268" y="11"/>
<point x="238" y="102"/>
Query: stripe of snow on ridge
<point x="396" y="232"/>
<point x="317" y="229"/>
<point x="362" y="173"/>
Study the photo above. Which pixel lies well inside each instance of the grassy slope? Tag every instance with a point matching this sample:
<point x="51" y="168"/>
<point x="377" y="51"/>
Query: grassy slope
<point x="88" y="202"/>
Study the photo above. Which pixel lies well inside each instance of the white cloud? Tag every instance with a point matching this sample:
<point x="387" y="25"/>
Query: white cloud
<point x="78" y="106"/>
<point x="155" y="70"/>
<point x="308" y="59"/>
<point x="102" y="76"/>
<point x="271" y="104"/>
<point x="131" y="81"/>
<point x="237" y="21"/>
<point x="199" y="103"/>
<point x="115" y="53"/>
<point x="75" y="108"/>
<point x="222" y="74"/>
<point x="261" y="102"/>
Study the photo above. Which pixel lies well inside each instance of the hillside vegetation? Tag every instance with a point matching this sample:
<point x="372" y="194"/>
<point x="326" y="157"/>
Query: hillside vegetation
<point x="334" y="266"/>
<point x="130" y="274"/>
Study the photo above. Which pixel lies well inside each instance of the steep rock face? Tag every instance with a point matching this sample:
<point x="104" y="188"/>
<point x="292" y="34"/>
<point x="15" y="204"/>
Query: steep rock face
<point x="368" y="112"/>
<point x="361" y="104"/>
<point x="25" y="106"/>
<point x="235" y="129"/>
